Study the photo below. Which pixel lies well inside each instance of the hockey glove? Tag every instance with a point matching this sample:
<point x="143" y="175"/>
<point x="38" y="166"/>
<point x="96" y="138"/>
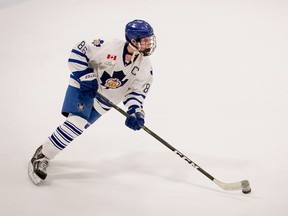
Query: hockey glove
<point x="135" y="120"/>
<point x="88" y="85"/>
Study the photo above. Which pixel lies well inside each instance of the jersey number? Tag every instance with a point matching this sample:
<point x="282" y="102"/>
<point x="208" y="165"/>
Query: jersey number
<point x="146" y="89"/>
<point x="82" y="47"/>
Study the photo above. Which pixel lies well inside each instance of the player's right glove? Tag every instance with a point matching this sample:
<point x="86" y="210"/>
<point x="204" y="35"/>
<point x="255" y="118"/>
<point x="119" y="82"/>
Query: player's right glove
<point x="88" y="85"/>
<point x="135" y="120"/>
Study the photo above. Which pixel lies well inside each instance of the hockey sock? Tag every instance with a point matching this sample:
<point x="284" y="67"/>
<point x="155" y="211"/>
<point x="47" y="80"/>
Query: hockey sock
<point x="63" y="135"/>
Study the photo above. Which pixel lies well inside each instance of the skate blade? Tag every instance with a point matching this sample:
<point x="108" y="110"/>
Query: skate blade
<point x="32" y="175"/>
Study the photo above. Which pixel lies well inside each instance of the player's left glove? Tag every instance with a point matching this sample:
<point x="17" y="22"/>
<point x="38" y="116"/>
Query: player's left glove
<point x="88" y="85"/>
<point x="135" y="120"/>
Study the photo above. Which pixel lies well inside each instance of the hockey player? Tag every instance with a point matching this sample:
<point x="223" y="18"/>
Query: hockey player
<point x="120" y="70"/>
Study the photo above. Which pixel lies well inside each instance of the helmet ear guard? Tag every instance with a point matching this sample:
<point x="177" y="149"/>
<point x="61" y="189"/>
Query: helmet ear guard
<point x="135" y="44"/>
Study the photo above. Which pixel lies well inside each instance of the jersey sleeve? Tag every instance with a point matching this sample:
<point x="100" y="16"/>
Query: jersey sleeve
<point x="79" y="61"/>
<point x="140" y="87"/>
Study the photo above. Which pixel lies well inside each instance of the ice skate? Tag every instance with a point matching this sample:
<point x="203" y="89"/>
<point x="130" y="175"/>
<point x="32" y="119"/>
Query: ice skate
<point x="37" y="166"/>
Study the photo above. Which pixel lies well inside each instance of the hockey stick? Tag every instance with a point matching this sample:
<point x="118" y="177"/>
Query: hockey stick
<point x="243" y="185"/>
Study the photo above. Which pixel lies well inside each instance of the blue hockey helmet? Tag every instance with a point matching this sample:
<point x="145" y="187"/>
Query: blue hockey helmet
<point x="135" y="31"/>
<point x="138" y="29"/>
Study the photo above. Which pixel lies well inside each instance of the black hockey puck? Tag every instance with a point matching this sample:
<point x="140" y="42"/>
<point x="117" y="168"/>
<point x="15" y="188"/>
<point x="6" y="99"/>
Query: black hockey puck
<point x="246" y="190"/>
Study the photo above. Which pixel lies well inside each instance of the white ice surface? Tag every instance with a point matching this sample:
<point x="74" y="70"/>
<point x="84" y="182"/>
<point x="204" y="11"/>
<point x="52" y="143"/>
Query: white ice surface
<point x="219" y="96"/>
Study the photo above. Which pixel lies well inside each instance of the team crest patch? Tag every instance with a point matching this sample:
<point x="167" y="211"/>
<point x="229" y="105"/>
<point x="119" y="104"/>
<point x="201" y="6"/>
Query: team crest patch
<point x="98" y="42"/>
<point x="80" y="106"/>
<point x="112" y="83"/>
<point x="115" y="81"/>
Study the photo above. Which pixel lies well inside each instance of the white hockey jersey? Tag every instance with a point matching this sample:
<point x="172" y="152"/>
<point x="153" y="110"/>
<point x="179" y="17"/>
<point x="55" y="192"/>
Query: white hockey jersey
<point x="118" y="81"/>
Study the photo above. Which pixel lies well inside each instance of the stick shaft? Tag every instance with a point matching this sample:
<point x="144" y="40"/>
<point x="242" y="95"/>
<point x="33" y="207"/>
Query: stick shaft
<point x="180" y="154"/>
<point x="225" y="186"/>
<point x="160" y="139"/>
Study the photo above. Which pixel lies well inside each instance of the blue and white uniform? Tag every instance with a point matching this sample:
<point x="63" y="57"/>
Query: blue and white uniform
<point x="120" y="77"/>
<point x="117" y="79"/>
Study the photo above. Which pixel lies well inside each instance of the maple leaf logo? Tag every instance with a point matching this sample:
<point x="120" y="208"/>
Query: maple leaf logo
<point x="113" y="82"/>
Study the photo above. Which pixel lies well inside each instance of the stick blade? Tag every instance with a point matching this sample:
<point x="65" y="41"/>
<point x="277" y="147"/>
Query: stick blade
<point x="242" y="185"/>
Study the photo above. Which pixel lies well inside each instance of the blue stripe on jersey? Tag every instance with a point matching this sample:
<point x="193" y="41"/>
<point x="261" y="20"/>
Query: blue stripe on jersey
<point x="106" y="109"/>
<point x="73" y="128"/>
<point x="132" y="98"/>
<point x="64" y="134"/>
<point x="77" y="74"/>
<point x="137" y="94"/>
<point x="80" y="54"/>
<point x="78" y="62"/>
<point x="102" y="101"/>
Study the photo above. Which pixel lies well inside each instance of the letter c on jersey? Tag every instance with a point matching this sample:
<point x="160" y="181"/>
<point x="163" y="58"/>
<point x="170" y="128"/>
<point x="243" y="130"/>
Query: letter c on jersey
<point x="133" y="70"/>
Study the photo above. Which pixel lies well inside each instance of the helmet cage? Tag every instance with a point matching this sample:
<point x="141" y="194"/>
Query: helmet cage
<point x="145" y="46"/>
